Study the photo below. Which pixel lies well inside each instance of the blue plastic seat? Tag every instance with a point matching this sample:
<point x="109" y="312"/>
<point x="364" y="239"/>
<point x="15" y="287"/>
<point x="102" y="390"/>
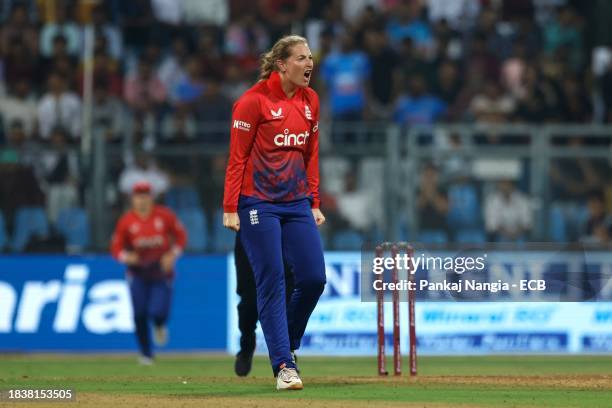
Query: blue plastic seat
<point x="464" y="207"/>
<point x="29" y="222"/>
<point x="73" y="224"/>
<point x="433" y="237"/>
<point x="179" y="198"/>
<point x="470" y="236"/>
<point x="223" y="238"/>
<point x="195" y="223"/>
<point x="347" y="240"/>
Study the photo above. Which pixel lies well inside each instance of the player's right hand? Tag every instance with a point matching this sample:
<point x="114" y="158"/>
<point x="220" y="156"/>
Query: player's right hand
<point x="231" y="221"/>
<point x="131" y="258"/>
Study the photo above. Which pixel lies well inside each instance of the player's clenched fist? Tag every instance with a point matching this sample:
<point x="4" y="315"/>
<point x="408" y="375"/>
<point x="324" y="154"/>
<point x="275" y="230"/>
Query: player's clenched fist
<point x="318" y="216"/>
<point x="231" y="221"/>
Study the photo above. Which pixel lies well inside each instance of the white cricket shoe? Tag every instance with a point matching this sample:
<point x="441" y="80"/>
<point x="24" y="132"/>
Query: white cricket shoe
<point x="145" y="361"/>
<point x="288" y="379"/>
<point x="160" y="335"/>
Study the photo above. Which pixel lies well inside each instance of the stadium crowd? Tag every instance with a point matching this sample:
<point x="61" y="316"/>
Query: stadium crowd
<point x="165" y="73"/>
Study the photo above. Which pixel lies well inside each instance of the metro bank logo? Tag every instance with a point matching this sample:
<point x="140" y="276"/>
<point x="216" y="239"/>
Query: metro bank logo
<point x="241" y="125"/>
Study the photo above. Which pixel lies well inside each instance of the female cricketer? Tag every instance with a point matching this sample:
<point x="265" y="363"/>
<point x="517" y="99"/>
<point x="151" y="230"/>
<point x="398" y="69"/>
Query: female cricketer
<point x="148" y="239"/>
<point x="272" y="196"/>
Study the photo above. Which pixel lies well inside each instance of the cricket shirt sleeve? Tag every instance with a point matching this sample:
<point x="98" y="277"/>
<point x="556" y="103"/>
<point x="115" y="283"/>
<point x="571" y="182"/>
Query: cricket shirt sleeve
<point x="311" y="155"/>
<point x="245" y="118"/>
<point x="119" y="241"/>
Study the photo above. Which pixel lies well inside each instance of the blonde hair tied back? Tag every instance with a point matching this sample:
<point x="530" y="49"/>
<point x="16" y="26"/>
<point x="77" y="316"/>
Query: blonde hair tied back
<point x="280" y="51"/>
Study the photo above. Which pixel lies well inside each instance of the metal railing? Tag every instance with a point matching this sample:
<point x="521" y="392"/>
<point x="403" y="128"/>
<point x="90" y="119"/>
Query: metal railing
<point x="403" y="150"/>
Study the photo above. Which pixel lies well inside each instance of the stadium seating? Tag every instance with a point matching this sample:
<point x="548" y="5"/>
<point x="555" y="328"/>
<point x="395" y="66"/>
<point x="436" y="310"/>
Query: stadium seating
<point x="195" y="223"/>
<point x="347" y="240"/>
<point x="3" y="237"/>
<point x="433" y="237"/>
<point x="29" y="222"/>
<point x="464" y="208"/>
<point x="223" y="238"/>
<point x="182" y="197"/>
<point x="470" y="236"/>
<point x="73" y="224"/>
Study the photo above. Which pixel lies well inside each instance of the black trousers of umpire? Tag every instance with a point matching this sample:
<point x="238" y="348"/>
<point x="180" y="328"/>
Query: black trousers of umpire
<point x="246" y="289"/>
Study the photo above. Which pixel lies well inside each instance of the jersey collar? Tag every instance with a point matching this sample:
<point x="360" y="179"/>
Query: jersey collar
<point x="274" y="83"/>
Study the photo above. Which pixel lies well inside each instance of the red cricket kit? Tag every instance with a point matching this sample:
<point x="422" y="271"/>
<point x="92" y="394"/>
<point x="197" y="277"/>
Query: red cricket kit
<point x="274" y="146"/>
<point x="150" y="237"/>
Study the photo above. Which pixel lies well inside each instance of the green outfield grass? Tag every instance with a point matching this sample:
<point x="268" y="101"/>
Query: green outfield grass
<point x="208" y="380"/>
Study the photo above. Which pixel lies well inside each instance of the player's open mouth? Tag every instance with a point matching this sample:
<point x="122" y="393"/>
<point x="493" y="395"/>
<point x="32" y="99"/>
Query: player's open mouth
<point x="307" y="74"/>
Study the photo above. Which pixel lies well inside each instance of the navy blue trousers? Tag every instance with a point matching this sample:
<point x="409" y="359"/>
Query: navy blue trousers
<point x="271" y="232"/>
<point x="150" y="302"/>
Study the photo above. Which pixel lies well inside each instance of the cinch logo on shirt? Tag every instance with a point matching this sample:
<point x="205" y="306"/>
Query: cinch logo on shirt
<point x="291" y="139"/>
<point x="242" y="125"/>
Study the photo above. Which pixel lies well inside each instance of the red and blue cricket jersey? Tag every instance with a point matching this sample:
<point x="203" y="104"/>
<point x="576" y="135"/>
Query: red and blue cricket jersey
<point x="274" y="146"/>
<point x="150" y="238"/>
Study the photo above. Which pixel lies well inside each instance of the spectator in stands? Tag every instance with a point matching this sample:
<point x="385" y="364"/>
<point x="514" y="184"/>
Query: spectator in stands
<point x="432" y="206"/>
<point x="212" y="60"/>
<point x="61" y="27"/>
<point x="480" y="61"/>
<point x="235" y="83"/>
<point x="356" y="206"/>
<point x="572" y="179"/>
<point x="418" y="106"/>
<point x="213" y="111"/>
<point x="211" y="12"/>
<point x="598" y="227"/>
<point x="19" y="105"/>
<point x="20" y="29"/>
<point x="20" y="63"/>
<point x="106" y="69"/>
<point x="606" y="93"/>
<point x="345" y="73"/>
<point x="60" y="60"/>
<point x="406" y="22"/>
<point x="172" y="67"/>
<point x="508" y="216"/>
<point x="246" y="36"/>
<point x="492" y="105"/>
<point x="180" y="127"/>
<point x="144" y="169"/>
<point x="463" y="202"/>
<point x="513" y="71"/>
<point x="144" y="92"/>
<point x="563" y="34"/>
<point x="59" y="173"/>
<point x="110" y="32"/>
<point x="279" y="15"/>
<point x="384" y="61"/>
<point x="59" y="108"/>
<point x="190" y="88"/>
<point x="15" y="141"/>
<point x="575" y="101"/>
<point x="447" y="85"/>
<point x="137" y="19"/>
<point x="107" y="113"/>
<point x="413" y="62"/>
<point x="459" y="14"/>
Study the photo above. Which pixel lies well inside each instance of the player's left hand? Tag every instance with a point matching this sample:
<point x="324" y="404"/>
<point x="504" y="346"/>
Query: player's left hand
<point x="167" y="261"/>
<point x="318" y="216"/>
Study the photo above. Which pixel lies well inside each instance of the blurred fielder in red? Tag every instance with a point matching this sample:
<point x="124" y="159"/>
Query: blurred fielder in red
<point x="148" y="239"/>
